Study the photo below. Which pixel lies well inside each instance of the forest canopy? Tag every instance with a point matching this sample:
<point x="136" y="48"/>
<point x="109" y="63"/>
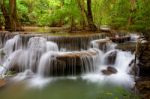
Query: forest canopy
<point x="119" y="14"/>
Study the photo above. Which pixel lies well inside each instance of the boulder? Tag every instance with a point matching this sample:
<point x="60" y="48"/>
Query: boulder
<point x="111" y="58"/>
<point x="101" y="44"/>
<point x="73" y="63"/>
<point x="109" y="71"/>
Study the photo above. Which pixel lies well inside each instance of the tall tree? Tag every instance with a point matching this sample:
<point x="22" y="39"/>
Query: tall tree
<point x="88" y="13"/>
<point x="83" y="12"/>
<point x="132" y="12"/>
<point x="5" y="15"/>
<point x="15" y="25"/>
<point x="89" y="16"/>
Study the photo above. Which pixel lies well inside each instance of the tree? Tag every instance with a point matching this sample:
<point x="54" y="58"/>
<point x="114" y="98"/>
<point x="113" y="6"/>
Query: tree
<point x="10" y="16"/>
<point x="83" y="12"/>
<point x="15" y="25"/>
<point x="87" y="13"/>
<point x="132" y="12"/>
<point x="89" y="16"/>
<point x="5" y="15"/>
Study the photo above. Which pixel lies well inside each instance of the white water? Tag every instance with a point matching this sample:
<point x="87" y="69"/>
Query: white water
<point x="35" y="61"/>
<point x="122" y="77"/>
<point x="12" y="45"/>
<point x="103" y="44"/>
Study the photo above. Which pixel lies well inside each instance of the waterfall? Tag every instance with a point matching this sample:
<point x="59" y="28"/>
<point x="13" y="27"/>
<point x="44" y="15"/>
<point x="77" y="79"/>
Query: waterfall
<point x="97" y="59"/>
<point x="64" y="63"/>
<point x="103" y="44"/>
<point x="12" y="44"/>
<point x="20" y="59"/>
<point x="46" y="62"/>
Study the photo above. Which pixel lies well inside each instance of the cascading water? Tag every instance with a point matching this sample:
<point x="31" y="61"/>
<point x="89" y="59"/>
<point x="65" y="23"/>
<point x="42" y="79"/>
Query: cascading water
<point x="42" y="58"/>
<point x="13" y="45"/>
<point x="27" y="58"/>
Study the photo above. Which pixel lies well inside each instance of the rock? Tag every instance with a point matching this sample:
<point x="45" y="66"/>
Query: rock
<point x="111" y="58"/>
<point x="2" y="83"/>
<point x="105" y="29"/>
<point x="101" y="44"/>
<point x="143" y="86"/>
<point x="127" y="46"/>
<point x="72" y="63"/>
<point x="112" y="70"/>
<point x="144" y="57"/>
<point x="109" y="71"/>
<point x="120" y="39"/>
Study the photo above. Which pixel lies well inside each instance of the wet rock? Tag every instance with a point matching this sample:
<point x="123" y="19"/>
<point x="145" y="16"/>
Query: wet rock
<point x="105" y="29"/>
<point x="143" y="86"/>
<point x="2" y="83"/>
<point x="73" y="63"/>
<point x="120" y="39"/>
<point x="144" y="57"/>
<point x="127" y="46"/>
<point x="101" y="44"/>
<point x="111" y="58"/>
<point x="109" y="71"/>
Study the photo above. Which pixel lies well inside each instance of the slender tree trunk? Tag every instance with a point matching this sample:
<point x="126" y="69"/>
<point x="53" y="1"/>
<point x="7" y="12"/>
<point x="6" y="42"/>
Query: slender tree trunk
<point x="73" y="26"/>
<point x="87" y="13"/>
<point x="83" y="13"/>
<point x="5" y="15"/>
<point x="132" y="11"/>
<point x="89" y="16"/>
<point x="15" y="25"/>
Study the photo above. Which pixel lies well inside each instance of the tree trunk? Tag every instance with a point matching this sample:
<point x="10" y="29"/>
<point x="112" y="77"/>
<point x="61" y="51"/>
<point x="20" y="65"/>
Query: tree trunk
<point x="89" y="16"/>
<point x="132" y="11"/>
<point x="5" y="15"/>
<point x="87" y="13"/>
<point x="83" y="13"/>
<point x="15" y="25"/>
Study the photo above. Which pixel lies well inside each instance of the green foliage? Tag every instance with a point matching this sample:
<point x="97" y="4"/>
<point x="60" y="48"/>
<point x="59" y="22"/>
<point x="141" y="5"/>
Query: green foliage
<point x="47" y="12"/>
<point x="116" y="13"/>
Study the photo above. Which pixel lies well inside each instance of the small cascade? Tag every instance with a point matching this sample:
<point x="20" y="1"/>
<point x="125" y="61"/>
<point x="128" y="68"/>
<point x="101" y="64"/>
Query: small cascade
<point x="123" y="60"/>
<point x="45" y="63"/>
<point x="134" y="37"/>
<point x="51" y="46"/>
<point x="36" y="47"/>
<point x="103" y="44"/>
<point x="110" y="57"/>
<point x="67" y="63"/>
<point x="12" y="45"/>
<point x="28" y="58"/>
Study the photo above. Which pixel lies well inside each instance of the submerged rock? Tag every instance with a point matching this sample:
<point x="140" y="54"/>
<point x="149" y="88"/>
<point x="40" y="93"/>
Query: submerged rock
<point x="109" y="71"/>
